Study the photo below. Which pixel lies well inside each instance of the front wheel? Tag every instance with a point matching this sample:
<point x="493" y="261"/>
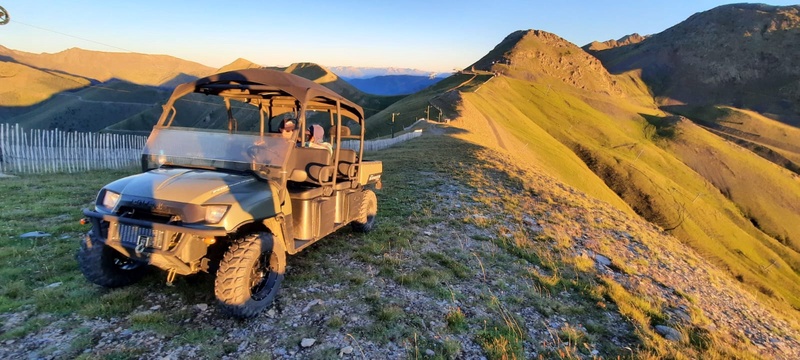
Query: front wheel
<point x="369" y="210"/>
<point x="106" y="267"/>
<point x="250" y="275"/>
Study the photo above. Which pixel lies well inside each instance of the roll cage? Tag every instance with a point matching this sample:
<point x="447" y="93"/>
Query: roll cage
<point x="273" y="93"/>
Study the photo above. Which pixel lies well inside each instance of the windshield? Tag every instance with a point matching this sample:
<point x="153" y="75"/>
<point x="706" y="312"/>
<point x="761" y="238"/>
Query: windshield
<point x="208" y="148"/>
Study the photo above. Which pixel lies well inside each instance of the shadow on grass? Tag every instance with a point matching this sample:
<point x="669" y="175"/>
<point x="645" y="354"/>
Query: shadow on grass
<point x="661" y="127"/>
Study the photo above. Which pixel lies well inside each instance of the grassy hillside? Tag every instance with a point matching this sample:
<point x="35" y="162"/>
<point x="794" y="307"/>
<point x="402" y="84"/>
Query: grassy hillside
<point x="654" y="182"/>
<point x="143" y="69"/>
<point x="23" y="86"/>
<point x="771" y="139"/>
<point x="93" y="108"/>
<point x="38" y="90"/>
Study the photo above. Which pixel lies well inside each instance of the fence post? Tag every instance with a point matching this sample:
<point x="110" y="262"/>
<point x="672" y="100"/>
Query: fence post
<point x="3" y="154"/>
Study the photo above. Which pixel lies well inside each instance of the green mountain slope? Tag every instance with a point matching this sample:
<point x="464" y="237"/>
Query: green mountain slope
<point x="608" y="122"/>
<point x="442" y="96"/>
<point x="771" y="139"/>
<point x="93" y="108"/>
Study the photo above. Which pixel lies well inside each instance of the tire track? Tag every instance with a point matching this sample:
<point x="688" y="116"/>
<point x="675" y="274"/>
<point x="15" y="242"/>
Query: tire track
<point x="494" y="130"/>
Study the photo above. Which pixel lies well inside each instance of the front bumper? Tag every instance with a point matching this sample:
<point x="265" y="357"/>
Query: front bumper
<point x="170" y="247"/>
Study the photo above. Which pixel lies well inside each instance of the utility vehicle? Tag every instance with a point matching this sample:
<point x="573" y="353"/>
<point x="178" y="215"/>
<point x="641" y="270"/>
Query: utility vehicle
<point x="223" y="190"/>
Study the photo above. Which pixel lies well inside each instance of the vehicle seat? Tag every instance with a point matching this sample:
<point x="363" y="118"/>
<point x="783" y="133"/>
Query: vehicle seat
<point x="347" y="164"/>
<point x="317" y="163"/>
<point x="347" y="158"/>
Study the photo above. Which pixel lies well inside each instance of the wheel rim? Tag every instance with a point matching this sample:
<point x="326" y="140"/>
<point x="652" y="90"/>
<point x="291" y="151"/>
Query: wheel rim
<point x="262" y="276"/>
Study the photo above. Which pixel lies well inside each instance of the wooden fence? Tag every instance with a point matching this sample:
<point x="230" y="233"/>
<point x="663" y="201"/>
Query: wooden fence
<point x="50" y="151"/>
<point x="375" y="145"/>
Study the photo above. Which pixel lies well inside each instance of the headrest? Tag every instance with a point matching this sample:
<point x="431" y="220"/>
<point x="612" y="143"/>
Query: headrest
<point x="344" y="132"/>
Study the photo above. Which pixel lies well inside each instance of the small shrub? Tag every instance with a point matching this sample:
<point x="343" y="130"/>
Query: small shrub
<point x="501" y="342"/>
<point x="456" y="321"/>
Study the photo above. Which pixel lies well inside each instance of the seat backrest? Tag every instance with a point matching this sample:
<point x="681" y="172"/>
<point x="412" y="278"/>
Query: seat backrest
<point x="347" y="161"/>
<point x="317" y="163"/>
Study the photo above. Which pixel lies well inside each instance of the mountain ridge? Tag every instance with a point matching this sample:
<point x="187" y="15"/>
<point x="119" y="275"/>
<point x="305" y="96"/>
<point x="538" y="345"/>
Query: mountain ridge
<point x="626" y="40"/>
<point x="741" y="55"/>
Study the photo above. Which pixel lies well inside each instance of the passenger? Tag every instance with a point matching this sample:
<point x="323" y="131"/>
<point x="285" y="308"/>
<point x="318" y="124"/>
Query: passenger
<point x="315" y="140"/>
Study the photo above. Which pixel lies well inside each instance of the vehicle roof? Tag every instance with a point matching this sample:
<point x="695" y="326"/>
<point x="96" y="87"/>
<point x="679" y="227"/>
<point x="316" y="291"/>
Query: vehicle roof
<point x="269" y="87"/>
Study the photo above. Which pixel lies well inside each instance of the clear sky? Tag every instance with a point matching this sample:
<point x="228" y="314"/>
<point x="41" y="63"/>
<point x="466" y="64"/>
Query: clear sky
<point x="423" y="34"/>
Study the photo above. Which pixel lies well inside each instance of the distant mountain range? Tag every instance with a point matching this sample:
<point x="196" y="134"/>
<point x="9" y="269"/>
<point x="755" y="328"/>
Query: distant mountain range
<point x="394" y="84"/>
<point x="355" y="72"/>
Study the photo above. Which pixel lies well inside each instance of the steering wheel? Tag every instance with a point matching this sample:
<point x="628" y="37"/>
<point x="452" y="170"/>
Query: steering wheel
<point x="260" y="153"/>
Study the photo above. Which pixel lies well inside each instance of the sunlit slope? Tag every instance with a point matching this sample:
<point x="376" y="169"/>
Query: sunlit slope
<point x="499" y="122"/>
<point x="622" y="147"/>
<point x="654" y="182"/>
<point x="22" y="85"/>
<point x="613" y="125"/>
<point x="749" y="129"/>
<point x="765" y="193"/>
<point x="143" y="69"/>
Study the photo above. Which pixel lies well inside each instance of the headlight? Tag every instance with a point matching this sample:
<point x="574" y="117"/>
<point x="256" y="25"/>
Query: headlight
<point x="214" y="213"/>
<point x="110" y="199"/>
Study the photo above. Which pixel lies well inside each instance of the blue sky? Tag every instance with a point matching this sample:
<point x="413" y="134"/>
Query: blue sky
<point x="425" y="34"/>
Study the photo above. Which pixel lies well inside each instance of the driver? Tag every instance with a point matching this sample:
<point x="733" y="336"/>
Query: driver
<point x="287" y="127"/>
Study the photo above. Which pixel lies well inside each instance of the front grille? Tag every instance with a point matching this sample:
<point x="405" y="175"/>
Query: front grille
<point x="132" y="235"/>
<point x="129" y="234"/>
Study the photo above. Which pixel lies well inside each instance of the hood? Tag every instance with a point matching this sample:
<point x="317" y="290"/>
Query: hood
<point x="189" y="186"/>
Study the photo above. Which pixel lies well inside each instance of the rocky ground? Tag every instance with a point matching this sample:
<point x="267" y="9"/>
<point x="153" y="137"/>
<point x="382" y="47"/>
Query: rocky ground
<point x="441" y="277"/>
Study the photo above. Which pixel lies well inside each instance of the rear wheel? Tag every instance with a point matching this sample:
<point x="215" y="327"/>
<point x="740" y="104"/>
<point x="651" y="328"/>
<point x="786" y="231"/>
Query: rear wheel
<point x="106" y="267"/>
<point x="369" y="210"/>
<point x="250" y="275"/>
